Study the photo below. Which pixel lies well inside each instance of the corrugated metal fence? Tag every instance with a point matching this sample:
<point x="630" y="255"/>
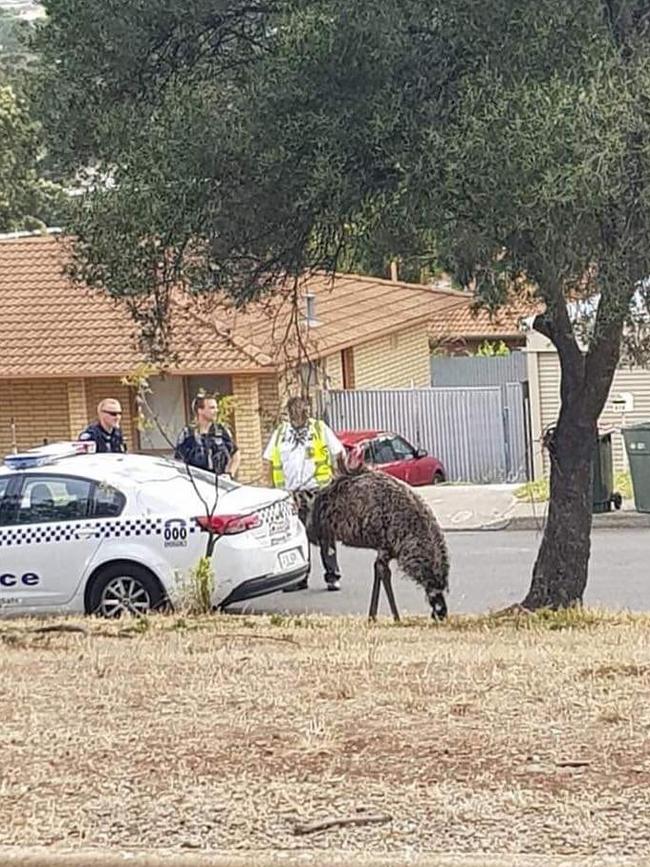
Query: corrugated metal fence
<point x="463" y="371"/>
<point x="478" y="432"/>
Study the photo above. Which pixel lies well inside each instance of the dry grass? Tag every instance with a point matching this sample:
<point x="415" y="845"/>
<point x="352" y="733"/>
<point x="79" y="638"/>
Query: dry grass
<point x="513" y="735"/>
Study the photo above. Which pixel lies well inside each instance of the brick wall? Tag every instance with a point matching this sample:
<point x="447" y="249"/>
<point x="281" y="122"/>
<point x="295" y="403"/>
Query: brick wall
<point x="247" y="423"/>
<point x="57" y="409"/>
<point x="40" y="410"/>
<point x="396" y="361"/>
<point x="270" y="408"/>
<point x="77" y="406"/>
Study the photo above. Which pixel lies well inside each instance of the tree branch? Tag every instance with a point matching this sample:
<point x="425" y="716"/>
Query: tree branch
<point x="555" y="324"/>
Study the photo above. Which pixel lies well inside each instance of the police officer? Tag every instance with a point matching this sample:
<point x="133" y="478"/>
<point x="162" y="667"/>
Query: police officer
<point x="105" y="432"/>
<point x="206" y="444"/>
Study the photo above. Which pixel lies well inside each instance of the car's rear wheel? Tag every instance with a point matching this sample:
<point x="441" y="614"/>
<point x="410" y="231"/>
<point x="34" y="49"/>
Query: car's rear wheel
<point x="122" y="589"/>
<point x="438" y="478"/>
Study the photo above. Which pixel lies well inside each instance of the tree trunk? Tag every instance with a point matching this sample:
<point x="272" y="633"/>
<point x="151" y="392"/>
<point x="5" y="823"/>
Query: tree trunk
<point x="560" y="571"/>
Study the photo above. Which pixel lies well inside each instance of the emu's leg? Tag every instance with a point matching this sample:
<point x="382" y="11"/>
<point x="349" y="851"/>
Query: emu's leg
<point x="374" y="598"/>
<point x="382" y="576"/>
<point x="388" y="587"/>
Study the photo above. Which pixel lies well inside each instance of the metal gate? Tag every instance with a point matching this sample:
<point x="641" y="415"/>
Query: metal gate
<point x="480" y="434"/>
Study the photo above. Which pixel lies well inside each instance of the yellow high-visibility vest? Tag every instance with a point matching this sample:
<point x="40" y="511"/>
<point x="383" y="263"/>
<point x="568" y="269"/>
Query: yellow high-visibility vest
<point x="316" y="450"/>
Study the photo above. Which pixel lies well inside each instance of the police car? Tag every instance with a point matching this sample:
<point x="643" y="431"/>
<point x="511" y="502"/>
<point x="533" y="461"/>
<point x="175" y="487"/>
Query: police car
<point x="113" y="534"/>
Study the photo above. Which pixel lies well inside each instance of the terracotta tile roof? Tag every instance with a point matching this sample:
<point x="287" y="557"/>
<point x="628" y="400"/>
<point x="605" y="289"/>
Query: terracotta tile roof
<point x="52" y="327"/>
<point x="464" y="321"/>
<point x="349" y="310"/>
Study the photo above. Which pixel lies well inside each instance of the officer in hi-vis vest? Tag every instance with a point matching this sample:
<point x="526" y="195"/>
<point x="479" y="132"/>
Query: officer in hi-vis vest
<point x="301" y="455"/>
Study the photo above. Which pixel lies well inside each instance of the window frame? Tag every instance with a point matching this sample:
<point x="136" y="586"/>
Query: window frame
<point x="347" y="368"/>
<point x="376" y="443"/>
<point x="406" y="445"/>
<point x="8" y="500"/>
<point x="93" y="503"/>
<point x="10" y="516"/>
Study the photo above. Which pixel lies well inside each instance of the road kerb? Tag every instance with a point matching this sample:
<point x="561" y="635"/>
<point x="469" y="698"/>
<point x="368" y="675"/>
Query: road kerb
<point x="94" y="858"/>
<point x="608" y="521"/>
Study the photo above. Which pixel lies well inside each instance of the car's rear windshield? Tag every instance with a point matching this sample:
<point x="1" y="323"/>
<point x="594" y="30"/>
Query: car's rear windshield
<point x="173" y="468"/>
<point x="204" y="476"/>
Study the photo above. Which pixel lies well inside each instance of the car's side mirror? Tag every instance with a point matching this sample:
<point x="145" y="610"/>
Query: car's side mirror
<point x="421" y="453"/>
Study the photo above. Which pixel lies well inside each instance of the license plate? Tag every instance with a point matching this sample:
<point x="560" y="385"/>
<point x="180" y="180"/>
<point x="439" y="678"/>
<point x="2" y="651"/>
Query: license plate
<point x="290" y="559"/>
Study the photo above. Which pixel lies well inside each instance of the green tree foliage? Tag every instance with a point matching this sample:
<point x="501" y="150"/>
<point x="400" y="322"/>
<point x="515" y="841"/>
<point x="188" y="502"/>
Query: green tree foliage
<point x="244" y="141"/>
<point x="16" y="58"/>
<point x="492" y="349"/>
<point x="27" y="201"/>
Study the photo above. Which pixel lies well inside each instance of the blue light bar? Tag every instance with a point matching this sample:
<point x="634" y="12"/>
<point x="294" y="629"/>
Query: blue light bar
<point x="48" y="454"/>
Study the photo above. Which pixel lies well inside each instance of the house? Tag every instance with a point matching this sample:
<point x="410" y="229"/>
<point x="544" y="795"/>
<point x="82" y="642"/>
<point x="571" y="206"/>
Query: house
<point x="64" y="347"/>
<point x="628" y="402"/>
<point x="462" y="329"/>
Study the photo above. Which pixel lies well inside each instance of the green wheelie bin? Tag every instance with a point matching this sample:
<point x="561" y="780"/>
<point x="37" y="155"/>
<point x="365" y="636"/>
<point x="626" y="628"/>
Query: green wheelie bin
<point x="637" y="446"/>
<point x="603" y="496"/>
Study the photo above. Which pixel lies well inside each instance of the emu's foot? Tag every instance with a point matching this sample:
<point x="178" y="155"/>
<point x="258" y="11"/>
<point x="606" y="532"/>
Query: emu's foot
<point x="438" y="607"/>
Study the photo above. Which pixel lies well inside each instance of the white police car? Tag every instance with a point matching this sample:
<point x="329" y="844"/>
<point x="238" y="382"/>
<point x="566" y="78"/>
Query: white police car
<point x="113" y="534"/>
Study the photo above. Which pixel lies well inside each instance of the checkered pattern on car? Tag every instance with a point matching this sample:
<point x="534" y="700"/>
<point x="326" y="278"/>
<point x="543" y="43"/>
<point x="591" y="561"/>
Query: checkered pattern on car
<point x="276" y="521"/>
<point x="277" y="514"/>
<point x="34" y="534"/>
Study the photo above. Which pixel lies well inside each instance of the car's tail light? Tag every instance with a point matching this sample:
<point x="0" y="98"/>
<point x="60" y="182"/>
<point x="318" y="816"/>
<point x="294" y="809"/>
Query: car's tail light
<point x="228" y="525"/>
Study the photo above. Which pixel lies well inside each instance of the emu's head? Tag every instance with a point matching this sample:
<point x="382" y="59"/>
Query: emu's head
<point x="438" y="606"/>
<point x="351" y="461"/>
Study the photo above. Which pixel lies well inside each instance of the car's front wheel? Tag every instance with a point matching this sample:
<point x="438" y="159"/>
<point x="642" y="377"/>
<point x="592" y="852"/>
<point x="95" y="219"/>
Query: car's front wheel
<point x="438" y="478"/>
<point x="121" y="589"/>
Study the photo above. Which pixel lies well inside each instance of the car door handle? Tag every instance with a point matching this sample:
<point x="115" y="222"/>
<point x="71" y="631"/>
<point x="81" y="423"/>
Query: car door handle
<point x="86" y="532"/>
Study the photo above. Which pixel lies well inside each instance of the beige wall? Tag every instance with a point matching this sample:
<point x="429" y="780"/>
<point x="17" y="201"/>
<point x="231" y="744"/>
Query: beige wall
<point x="634" y="381"/>
<point x="333" y="365"/>
<point x="397" y="361"/>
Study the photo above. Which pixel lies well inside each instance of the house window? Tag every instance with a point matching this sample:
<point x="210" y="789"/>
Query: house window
<point x="218" y="385"/>
<point x="167" y="416"/>
<point x="347" y="363"/>
<point x="170" y="401"/>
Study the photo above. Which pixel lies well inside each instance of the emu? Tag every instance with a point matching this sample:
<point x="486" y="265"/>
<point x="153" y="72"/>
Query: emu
<point x="365" y="508"/>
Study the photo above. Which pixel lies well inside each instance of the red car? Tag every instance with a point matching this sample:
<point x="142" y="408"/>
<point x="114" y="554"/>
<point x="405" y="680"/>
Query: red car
<point x="394" y="455"/>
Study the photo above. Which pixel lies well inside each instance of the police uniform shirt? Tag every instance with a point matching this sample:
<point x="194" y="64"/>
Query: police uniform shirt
<point x="104" y="441"/>
<point x="208" y="451"/>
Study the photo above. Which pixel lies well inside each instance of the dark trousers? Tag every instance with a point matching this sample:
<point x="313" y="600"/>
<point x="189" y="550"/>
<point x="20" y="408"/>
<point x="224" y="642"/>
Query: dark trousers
<point x="330" y="563"/>
<point x="327" y="552"/>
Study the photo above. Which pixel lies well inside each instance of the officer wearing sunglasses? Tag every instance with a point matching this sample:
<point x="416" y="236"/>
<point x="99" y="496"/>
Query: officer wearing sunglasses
<point x="105" y="432"/>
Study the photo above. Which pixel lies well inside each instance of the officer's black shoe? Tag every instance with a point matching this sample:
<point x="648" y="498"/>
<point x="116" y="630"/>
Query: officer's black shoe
<point x="333" y="582"/>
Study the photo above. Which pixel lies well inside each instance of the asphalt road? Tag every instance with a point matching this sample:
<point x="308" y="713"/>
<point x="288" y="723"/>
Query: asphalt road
<point x="489" y="570"/>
